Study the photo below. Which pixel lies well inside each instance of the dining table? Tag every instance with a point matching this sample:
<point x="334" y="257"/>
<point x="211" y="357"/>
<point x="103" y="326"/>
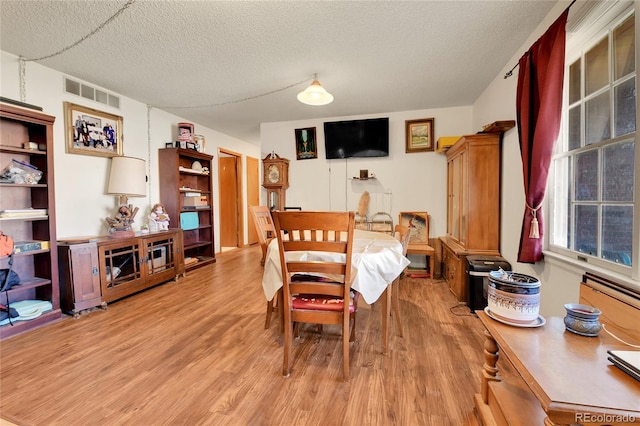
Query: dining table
<point x="377" y="260"/>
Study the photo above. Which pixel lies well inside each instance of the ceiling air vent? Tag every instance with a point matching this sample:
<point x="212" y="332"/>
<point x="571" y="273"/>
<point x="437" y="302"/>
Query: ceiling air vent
<point x="90" y="92"/>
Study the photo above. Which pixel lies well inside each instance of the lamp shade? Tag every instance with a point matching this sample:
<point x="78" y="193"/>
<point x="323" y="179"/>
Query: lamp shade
<point x="127" y="177"/>
<point x="315" y="95"/>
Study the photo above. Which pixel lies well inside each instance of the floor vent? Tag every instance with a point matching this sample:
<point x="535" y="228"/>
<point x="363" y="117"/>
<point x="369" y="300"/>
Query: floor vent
<point x="90" y="92"/>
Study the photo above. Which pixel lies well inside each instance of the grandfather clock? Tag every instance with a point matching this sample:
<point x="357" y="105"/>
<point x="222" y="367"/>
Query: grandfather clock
<point x="275" y="180"/>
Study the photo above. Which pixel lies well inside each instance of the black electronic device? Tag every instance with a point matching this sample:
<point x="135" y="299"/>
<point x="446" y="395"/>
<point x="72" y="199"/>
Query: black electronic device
<point x="357" y="138"/>
<point x="478" y="268"/>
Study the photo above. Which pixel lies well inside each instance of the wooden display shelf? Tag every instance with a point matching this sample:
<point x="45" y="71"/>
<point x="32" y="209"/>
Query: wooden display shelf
<point x="37" y="269"/>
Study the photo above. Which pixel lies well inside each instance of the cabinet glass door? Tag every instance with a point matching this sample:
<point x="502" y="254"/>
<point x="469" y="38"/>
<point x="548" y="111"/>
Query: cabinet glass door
<point x="456" y="183"/>
<point x="121" y="266"/>
<point x="160" y="255"/>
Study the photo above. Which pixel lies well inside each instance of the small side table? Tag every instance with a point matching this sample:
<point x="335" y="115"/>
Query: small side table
<point x="425" y="250"/>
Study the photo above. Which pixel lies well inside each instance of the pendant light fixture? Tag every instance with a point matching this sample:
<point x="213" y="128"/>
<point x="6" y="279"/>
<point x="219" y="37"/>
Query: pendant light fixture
<point x="315" y="94"/>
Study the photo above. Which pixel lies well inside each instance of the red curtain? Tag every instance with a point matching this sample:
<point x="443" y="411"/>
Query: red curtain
<point x="539" y="109"/>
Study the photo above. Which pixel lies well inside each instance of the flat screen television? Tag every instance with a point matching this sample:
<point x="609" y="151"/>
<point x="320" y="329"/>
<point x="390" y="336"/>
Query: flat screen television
<point x="357" y="138"/>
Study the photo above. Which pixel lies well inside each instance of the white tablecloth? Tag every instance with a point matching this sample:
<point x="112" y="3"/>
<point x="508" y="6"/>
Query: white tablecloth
<point x="377" y="261"/>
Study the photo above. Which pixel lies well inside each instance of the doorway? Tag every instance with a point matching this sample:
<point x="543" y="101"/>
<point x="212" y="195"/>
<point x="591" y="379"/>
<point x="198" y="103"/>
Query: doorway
<point x="253" y="195"/>
<point x="231" y="206"/>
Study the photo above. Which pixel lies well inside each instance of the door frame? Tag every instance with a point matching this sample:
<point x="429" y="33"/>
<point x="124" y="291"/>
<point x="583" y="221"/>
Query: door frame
<point x="239" y="191"/>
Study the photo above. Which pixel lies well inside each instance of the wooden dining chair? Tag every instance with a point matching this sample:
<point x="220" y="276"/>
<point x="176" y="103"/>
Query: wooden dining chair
<point x="317" y="288"/>
<point x="266" y="232"/>
<point x="264" y="227"/>
<point x="402" y="234"/>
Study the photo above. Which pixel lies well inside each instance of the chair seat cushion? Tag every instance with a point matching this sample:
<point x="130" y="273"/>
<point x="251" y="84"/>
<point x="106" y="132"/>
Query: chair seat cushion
<point x="323" y="303"/>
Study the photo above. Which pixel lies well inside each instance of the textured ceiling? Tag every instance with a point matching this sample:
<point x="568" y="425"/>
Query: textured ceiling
<point x="373" y="56"/>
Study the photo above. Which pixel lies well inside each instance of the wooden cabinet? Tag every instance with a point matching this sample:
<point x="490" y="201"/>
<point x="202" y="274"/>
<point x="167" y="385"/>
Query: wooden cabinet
<point x="473" y="204"/>
<point x="38" y="269"/>
<point x="185" y="172"/>
<point x="79" y="277"/>
<point x="101" y="270"/>
<point x="129" y="265"/>
<point x="453" y="271"/>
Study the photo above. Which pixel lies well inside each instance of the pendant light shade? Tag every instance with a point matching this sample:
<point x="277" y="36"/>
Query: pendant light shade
<point x="315" y="94"/>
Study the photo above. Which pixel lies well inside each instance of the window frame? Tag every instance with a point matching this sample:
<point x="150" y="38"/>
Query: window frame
<point x="588" y="29"/>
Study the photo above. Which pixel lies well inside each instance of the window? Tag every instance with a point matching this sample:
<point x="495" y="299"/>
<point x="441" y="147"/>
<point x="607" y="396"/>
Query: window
<point x="592" y="180"/>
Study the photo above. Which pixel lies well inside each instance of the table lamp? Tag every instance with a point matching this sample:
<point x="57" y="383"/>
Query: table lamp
<point x="127" y="178"/>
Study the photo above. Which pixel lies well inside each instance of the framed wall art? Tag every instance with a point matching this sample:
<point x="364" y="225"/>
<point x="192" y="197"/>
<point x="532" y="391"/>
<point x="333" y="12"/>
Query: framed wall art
<point x="92" y="132"/>
<point x="418" y="224"/>
<point x="199" y="141"/>
<point x="185" y="132"/>
<point x="419" y="134"/>
<point x="306" y="146"/>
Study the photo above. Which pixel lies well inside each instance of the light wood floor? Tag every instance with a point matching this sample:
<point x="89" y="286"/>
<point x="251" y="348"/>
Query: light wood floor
<point x="195" y="352"/>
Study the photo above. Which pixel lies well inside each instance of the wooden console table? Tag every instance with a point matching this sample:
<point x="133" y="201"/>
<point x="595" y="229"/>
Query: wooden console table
<point x="558" y="378"/>
<point x="95" y="271"/>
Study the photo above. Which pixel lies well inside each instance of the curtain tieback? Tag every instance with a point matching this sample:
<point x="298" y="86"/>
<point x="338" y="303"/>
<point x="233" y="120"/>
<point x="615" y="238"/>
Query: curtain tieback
<point x="534" y="229"/>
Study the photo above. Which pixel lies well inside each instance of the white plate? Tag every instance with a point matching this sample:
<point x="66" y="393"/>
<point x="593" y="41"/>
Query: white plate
<point x="539" y="322"/>
<point x="196" y="165"/>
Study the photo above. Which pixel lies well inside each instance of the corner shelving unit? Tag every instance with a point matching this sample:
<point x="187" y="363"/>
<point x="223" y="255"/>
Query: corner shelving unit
<point x="38" y="269"/>
<point x="178" y="176"/>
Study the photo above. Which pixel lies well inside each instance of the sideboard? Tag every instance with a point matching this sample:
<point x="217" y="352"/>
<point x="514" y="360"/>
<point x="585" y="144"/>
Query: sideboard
<point x="550" y="376"/>
<point x="99" y="270"/>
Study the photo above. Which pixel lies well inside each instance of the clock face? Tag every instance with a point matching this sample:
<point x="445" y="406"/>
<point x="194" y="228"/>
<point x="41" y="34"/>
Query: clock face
<point x="273" y="174"/>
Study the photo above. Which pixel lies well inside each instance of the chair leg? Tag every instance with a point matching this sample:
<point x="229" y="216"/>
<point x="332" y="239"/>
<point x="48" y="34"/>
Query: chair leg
<point x="345" y="348"/>
<point x="432" y="266"/>
<point x="288" y="335"/>
<point x="352" y="336"/>
<point x="395" y="305"/>
<point x="264" y="255"/>
<point x="267" y="322"/>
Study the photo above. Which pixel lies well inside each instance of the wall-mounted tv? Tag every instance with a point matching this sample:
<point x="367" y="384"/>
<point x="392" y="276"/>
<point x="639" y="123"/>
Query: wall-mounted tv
<point x="357" y="138"/>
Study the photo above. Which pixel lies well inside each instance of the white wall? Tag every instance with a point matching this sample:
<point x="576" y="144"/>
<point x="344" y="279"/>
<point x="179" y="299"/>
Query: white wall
<point x="404" y="182"/>
<point x="80" y="180"/>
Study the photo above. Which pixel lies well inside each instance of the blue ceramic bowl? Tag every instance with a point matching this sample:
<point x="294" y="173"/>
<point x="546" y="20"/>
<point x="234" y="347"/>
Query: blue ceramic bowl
<point x="582" y="319"/>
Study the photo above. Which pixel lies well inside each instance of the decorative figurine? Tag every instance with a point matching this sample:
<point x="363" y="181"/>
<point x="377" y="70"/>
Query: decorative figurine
<point x="159" y="217"/>
<point x="122" y="221"/>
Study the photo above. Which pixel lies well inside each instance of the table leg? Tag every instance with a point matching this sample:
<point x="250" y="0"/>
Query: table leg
<point x="386" y="319"/>
<point x="489" y="369"/>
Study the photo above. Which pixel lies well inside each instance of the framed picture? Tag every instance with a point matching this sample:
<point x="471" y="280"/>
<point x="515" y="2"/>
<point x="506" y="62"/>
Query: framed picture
<point x="92" y="132"/>
<point x="419" y="134"/>
<point x="418" y="224"/>
<point x="199" y="141"/>
<point x="185" y="132"/>
<point x="306" y="146"/>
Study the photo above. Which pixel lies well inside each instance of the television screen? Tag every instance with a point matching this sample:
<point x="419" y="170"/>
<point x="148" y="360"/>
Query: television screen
<point x="357" y="138"/>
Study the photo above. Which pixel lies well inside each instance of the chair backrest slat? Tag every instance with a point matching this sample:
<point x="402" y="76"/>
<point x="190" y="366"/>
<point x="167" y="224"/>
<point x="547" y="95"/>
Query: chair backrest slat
<point x="263" y="222"/>
<point x="330" y="233"/>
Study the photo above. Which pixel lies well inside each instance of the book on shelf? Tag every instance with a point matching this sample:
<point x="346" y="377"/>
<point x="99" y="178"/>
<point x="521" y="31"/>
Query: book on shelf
<point x="33" y="245"/>
<point x="18" y="213"/>
<point x="190" y="261"/>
